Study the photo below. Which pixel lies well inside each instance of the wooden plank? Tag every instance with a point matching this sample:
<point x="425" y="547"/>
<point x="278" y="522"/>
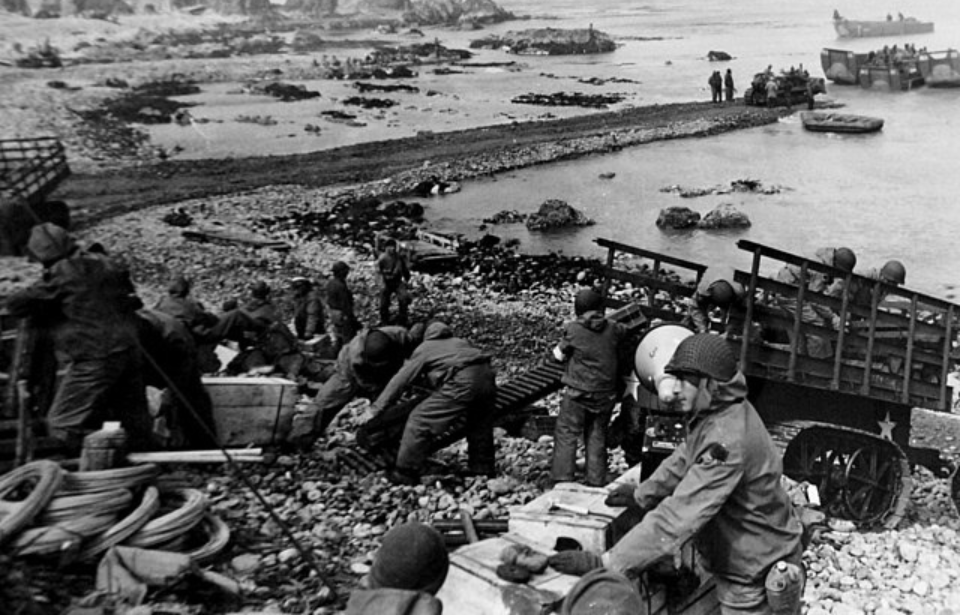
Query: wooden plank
<point x="243" y="238"/>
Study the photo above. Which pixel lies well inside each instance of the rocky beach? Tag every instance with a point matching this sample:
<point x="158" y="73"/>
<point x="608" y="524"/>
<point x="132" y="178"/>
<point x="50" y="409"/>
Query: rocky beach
<point x="126" y="193"/>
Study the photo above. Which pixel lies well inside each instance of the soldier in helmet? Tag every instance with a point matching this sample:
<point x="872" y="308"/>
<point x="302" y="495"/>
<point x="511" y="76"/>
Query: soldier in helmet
<point x="841" y="258"/>
<point x="308" y="318"/>
<point x="342" y="321"/>
<point x="716" y="289"/>
<point x="721" y="486"/>
<point x="364" y="367"/>
<point x="590" y="348"/>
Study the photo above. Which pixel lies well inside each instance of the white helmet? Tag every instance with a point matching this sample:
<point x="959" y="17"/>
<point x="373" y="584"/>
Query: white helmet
<point x="655" y="350"/>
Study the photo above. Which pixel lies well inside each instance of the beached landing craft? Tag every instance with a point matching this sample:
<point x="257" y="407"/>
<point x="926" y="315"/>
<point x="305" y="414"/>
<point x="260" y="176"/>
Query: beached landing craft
<point x="940" y="69"/>
<point x="850" y="28"/>
<point x="842" y="66"/>
<point x="904" y="76"/>
<point x="840" y="122"/>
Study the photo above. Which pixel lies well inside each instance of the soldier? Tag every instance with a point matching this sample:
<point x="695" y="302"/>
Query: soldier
<point x="343" y="323"/>
<point x="720" y="486"/>
<point x="464" y="387"/>
<point x="364" y="366"/>
<point x="171" y="365"/>
<point x="308" y="318"/>
<point x="717" y="288"/>
<point x="394" y="275"/>
<point x="590" y="348"/>
<point x="812" y="313"/>
<point x="728" y="85"/>
<point x="89" y="304"/>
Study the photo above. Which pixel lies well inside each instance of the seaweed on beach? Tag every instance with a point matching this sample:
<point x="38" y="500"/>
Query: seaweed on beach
<point x="563" y="99"/>
<point x="370" y="103"/>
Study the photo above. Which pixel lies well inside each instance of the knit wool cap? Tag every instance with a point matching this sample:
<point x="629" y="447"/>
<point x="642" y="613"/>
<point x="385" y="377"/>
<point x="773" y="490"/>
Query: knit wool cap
<point x="602" y="592"/>
<point x="49" y="243"/>
<point x="412" y="556"/>
<point x="705" y="354"/>
<point x="587" y="300"/>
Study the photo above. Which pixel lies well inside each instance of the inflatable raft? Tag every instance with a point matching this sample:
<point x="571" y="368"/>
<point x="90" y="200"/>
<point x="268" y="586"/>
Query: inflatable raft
<point x="840" y="122"/>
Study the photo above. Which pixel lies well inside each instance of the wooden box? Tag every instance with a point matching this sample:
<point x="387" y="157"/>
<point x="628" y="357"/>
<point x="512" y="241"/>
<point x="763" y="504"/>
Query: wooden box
<point x="596" y="531"/>
<point x="252" y="410"/>
<point x="472" y="586"/>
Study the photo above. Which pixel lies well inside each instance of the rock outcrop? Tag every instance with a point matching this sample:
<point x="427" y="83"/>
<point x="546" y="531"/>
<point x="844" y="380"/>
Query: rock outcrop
<point x="451" y="12"/>
<point x="678" y="218"/>
<point x="549" y="41"/>
<point x="724" y="216"/>
<point x="554" y="213"/>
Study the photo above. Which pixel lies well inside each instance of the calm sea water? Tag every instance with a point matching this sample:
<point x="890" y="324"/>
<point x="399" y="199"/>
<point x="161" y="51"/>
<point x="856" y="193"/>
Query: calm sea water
<point x="889" y="195"/>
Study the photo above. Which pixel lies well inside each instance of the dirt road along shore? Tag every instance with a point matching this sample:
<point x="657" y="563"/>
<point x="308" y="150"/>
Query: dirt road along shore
<point x="449" y="156"/>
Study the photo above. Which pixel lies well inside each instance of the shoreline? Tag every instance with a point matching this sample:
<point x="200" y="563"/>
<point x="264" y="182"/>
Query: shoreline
<point x="393" y="168"/>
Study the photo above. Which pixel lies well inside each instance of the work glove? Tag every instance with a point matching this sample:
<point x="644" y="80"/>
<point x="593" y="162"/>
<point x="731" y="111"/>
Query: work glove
<point x="577" y="563"/>
<point x="623" y="496"/>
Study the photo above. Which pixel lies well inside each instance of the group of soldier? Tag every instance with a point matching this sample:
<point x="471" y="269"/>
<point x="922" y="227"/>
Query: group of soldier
<point x="721" y="485"/>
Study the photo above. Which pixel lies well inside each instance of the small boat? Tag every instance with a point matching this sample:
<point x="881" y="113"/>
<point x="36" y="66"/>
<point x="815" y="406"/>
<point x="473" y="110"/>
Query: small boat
<point x="851" y="28"/>
<point x="940" y="69"/>
<point x="817" y="121"/>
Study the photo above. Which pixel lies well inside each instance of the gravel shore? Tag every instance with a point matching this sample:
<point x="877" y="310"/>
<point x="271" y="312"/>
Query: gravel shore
<point x="341" y="513"/>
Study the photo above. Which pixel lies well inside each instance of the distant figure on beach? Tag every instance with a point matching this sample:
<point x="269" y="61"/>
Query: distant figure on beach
<point x="716" y="86"/>
<point x="728" y="85"/>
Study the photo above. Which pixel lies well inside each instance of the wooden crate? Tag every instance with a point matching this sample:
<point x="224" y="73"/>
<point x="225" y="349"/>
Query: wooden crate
<point x="472" y="586"/>
<point x="252" y="410"/>
<point x="597" y="531"/>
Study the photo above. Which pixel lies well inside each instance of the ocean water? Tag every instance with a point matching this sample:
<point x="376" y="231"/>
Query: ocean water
<point x="887" y="195"/>
<point x="893" y="194"/>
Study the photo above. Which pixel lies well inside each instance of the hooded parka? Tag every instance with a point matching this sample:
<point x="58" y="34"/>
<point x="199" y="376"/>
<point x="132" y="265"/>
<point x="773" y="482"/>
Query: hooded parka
<point x="88" y="303"/>
<point x="721" y="486"/>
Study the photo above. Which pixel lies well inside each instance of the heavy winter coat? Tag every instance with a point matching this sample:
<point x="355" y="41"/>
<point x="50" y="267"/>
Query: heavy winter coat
<point x="722" y="487"/>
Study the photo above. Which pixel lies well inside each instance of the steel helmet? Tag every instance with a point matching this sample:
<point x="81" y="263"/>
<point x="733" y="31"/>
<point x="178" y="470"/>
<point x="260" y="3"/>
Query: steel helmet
<point x="587" y="300"/>
<point x="722" y="293"/>
<point x="893" y="272"/>
<point x="844" y="258"/>
<point x="705" y="354"/>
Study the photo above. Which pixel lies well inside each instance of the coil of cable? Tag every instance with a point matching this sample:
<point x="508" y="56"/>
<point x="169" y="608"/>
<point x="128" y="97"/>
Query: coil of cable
<point x="63" y="507"/>
<point x="125" y="528"/>
<point x="46" y="478"/>
<point x="207" y="540"/>
<point x="55" y="539"/>
<point x="75" y="483"/>
<point x="191" y="505"/>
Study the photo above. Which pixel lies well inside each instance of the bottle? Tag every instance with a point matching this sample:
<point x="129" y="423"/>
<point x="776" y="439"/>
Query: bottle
<point x="104" y="449"/>
<point x="783" y="584"/>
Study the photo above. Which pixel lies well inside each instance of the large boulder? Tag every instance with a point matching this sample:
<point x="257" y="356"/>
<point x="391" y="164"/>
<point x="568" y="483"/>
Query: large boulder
<point x="551" y="41"/>
<point x="724" y="216"/>
<point x="555" y="213"/>
<point x="678" y="218"/>
<point x="449" y="12"/>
